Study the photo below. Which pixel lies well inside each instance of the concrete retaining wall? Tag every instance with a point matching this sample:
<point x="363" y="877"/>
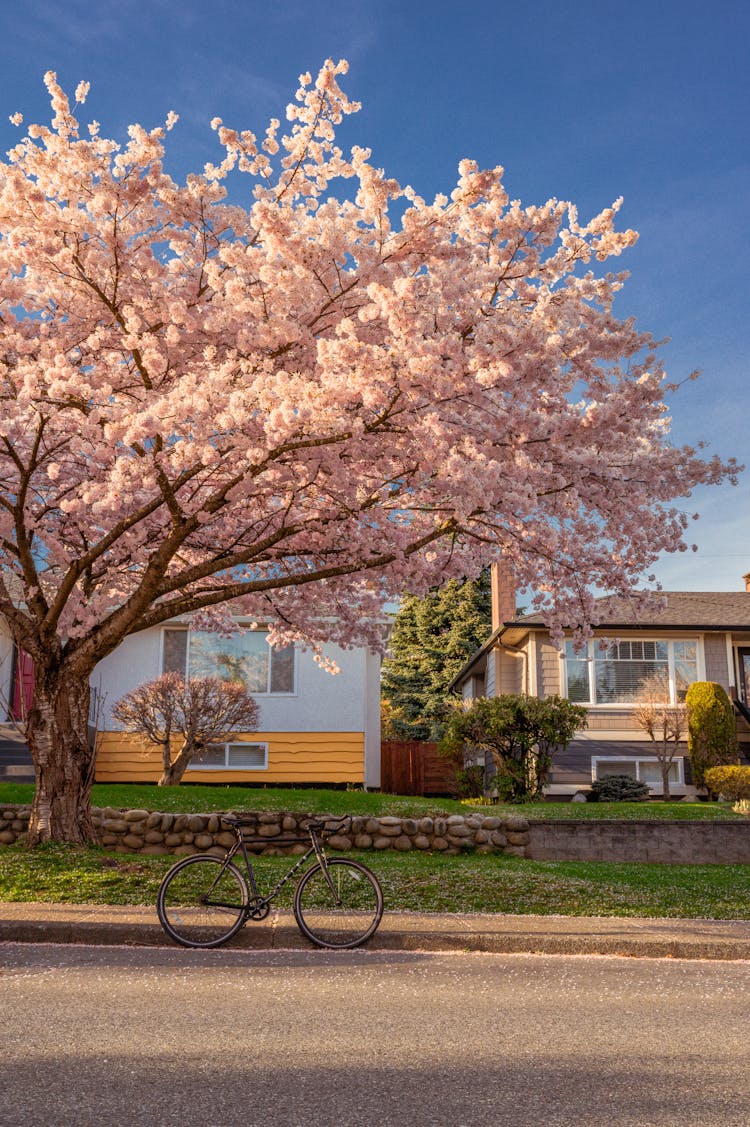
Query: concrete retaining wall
<point x="686" y="843"/>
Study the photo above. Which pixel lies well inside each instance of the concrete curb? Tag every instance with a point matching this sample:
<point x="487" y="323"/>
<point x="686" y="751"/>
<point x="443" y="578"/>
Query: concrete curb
<point x="404" y="931"/>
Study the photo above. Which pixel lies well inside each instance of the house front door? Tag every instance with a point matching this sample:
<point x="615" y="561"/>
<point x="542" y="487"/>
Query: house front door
<point x="743" y="660"/>
<point x="23" y="685"/>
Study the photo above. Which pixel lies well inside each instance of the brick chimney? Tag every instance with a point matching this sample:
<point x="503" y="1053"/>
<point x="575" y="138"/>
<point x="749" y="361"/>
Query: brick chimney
<point x="503" y="588"/>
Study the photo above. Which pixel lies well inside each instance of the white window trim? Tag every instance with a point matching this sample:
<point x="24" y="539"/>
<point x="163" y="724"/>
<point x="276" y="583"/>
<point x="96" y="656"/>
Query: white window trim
<point x="678" y="762"/>
<point x="256" y="693"/>
<point x="226" y="766"/>
<point x="618" y="706"/>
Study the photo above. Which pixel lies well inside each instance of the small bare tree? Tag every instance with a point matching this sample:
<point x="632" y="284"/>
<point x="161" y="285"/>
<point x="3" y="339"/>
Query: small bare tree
<point x="200" y="712"/>
<point x="665" y="723"/>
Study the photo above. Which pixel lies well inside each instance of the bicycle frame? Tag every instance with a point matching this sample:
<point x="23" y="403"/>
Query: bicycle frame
<point x="259" y="902"/>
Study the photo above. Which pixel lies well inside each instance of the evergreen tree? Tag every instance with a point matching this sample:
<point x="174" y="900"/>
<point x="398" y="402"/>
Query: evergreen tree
<point x="712" y="729"/>
<point x="432" y="638"/>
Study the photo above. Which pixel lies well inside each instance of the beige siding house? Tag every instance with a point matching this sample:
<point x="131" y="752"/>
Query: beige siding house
<point x="693" y="636"/>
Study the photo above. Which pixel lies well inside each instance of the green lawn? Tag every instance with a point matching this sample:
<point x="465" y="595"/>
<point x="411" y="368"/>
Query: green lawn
<point x="414" y="881"/>
<point x="205" y="799"/>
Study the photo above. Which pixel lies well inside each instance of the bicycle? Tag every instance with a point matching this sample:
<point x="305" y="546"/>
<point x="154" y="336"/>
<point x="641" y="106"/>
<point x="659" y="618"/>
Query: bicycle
<point x="204" y="900"/>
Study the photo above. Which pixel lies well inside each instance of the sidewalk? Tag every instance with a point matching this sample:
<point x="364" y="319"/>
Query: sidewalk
<point x="404" y="931"/>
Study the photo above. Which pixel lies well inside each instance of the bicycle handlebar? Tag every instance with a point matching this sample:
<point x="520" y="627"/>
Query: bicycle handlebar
<point x="320" y="824"/>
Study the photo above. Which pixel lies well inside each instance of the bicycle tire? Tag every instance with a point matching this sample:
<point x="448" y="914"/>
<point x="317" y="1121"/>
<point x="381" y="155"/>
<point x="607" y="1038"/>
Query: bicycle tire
<point x="181" y="906"/>
<point x="346" y="920"/>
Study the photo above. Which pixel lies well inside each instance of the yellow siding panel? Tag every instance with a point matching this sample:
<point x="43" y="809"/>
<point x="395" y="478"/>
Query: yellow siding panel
<point x="293" y="757"/>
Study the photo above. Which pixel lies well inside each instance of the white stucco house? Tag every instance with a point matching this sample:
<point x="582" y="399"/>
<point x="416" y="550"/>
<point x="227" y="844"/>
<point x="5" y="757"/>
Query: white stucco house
<point x="315" y="726"/>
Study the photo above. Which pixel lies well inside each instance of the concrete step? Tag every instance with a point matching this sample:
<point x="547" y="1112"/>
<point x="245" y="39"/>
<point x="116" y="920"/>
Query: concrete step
<point x="16" y="765"/>
<point x="14" y="752"/>
<point x="16" y="773"/>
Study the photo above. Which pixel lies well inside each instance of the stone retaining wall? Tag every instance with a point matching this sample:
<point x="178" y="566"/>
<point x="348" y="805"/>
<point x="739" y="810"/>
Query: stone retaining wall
<point x="700" y="843"/>
<point x="685" y="843"/>
<point x="140" y="831"/>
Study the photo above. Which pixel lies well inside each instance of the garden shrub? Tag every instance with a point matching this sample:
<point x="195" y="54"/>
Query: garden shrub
<point x="521" y="733"/>
<point x="712" y="729"/>
<point x="731" y="782"/>
<point x="470" y="781"/>
<point x="618" y="788"/>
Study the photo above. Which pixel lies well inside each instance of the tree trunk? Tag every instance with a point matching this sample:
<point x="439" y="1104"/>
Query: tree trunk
<point x="665" y="764"/>
<point x="173" y="772"/>
<point x="64" y="759"/>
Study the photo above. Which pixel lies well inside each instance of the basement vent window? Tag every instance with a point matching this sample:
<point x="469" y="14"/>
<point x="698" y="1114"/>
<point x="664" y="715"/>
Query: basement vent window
<point x="231" y="757"/>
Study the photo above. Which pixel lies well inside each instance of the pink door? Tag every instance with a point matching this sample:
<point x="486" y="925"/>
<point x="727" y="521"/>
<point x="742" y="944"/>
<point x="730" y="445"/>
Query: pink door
<point x="23" y="685"/>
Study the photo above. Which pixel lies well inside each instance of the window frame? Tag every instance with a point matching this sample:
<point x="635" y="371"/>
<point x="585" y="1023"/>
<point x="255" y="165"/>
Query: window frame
<point x="589" y="656"/>
<point x="187" y="629"/>
<point x="226" y="766"/>
<point x="678" y="761"/>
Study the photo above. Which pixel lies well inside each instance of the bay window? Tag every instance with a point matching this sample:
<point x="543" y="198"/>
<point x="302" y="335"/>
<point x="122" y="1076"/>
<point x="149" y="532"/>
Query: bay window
<point x="627" y="672"/>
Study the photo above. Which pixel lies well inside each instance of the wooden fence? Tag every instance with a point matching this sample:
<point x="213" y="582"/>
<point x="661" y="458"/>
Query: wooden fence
<point x="413" y="767"/>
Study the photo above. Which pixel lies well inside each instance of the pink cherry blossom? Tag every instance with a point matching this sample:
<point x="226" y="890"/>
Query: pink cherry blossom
<point x="295" y="407"/>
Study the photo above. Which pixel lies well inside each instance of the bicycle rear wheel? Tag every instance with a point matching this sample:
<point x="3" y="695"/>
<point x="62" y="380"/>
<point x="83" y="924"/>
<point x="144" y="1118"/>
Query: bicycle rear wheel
<point x="341" y="914"/>
<point x="201" y="901"/>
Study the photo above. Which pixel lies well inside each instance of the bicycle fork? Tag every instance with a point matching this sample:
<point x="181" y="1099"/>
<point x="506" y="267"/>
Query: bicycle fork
<point x="320" y="853"/>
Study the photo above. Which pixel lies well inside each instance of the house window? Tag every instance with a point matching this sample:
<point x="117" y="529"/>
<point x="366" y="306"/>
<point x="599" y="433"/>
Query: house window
<point x="245" y="657"/>
<point x="628" y="672"/>
<point x="231" y="757"/>
<point x="646" y="771"/>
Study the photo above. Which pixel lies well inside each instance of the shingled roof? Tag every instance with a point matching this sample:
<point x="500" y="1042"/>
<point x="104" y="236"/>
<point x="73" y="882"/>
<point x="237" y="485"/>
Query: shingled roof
<point x="695" y="610"/>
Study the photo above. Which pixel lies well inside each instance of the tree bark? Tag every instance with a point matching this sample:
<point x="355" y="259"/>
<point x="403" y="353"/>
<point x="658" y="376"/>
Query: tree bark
<point x="64" y="758"/>
<point x="173" y="772"/>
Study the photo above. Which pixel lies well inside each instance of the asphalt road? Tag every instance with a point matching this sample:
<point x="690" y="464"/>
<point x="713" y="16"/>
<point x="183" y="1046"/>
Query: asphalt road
<point x="142" y="1037"/>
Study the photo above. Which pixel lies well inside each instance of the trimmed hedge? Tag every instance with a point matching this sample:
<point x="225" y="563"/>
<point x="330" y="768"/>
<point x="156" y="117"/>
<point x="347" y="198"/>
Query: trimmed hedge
<point x="618" y="788"/>
<point x="731" y="782"/>
<point x="712" y="729"/>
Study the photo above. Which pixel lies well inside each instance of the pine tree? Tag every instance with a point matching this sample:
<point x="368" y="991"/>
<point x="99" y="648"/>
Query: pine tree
<point x="432" y="638"/>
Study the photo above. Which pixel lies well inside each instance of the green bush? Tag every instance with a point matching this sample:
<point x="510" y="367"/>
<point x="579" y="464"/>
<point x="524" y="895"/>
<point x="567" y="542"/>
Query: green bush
<point x="470" y="781"/>
<point x="731" y="782"/>
<point x="712" y="729"/>
<point x="618" y="788"/>
<point x="521" y="732"/>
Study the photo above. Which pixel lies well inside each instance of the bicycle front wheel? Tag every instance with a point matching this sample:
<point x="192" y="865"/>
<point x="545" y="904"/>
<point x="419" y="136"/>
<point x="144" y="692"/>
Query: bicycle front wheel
<point x="342" y="909"/>
<point x="201" y="901"/>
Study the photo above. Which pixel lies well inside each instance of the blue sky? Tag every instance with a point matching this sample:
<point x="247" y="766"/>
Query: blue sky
<point x="578" y="99"/>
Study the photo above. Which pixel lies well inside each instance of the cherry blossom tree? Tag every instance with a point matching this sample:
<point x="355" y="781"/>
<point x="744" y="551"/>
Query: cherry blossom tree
<point x="290" y="387"/>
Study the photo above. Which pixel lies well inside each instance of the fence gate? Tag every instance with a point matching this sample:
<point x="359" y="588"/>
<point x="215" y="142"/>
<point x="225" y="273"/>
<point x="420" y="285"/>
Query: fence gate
<point x="415" y="767"/>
